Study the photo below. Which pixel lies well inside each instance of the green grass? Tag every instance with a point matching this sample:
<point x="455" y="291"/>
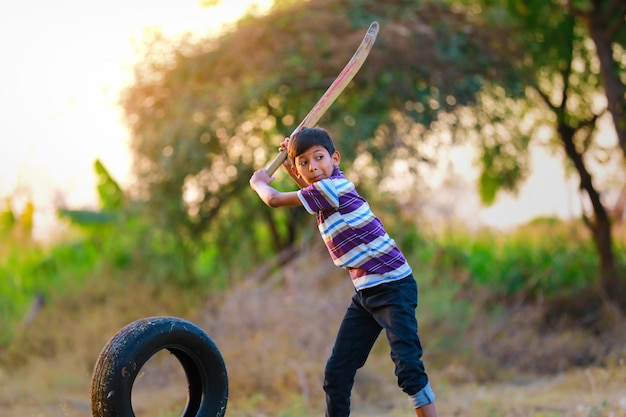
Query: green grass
<point x="543" y="258"/>
<point x="525" y="262"/>
<point x="28" y="270"/>
<point x="258" y="327"/>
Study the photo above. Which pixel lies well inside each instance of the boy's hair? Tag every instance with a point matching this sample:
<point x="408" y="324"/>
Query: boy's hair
<point x="307" y="137"/>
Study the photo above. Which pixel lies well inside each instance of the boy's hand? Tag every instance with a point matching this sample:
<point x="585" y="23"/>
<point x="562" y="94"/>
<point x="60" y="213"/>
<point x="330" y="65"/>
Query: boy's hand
<point x="283" y="144"/>
<point x="260" y="177"/>
<point x="283" y="148"/>
<point x="260" y="181"/>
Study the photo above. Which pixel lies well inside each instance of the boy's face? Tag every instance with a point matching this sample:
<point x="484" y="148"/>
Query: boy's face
<point x="315" y="164"/>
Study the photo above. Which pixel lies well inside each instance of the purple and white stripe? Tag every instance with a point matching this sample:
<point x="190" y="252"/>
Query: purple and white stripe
<point x="355" y="237"/>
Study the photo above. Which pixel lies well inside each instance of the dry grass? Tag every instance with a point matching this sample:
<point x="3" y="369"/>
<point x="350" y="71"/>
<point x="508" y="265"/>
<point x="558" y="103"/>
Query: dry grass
<point x="275" y="333"/>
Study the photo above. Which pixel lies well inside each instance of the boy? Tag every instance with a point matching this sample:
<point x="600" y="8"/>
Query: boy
<point x="385" y="290"/>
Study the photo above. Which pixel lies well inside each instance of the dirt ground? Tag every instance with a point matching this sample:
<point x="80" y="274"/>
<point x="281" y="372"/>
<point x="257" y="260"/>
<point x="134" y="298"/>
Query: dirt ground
<point x="58" y="388"/>
<point x="257" y="327"/>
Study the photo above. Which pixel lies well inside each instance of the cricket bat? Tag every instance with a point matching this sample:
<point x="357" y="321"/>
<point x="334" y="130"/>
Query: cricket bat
<point x="331" y="94"/>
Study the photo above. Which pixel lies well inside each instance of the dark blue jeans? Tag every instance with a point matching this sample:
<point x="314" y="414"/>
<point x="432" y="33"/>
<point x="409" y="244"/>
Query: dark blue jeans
<point x="390" y="307"/>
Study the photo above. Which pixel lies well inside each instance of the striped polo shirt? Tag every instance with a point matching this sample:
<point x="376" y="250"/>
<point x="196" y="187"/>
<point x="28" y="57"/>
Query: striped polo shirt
<point x="354" y="236"/>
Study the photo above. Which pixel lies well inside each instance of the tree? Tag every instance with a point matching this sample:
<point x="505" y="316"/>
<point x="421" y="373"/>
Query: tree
<point x="203" y="114"/>
<point x="605" y="21"/>
<point x="562" y="67"/>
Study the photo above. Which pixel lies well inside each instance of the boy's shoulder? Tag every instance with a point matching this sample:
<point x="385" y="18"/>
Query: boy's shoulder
<point x="338" y="181"/>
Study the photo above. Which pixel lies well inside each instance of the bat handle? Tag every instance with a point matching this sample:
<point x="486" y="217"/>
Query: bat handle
<point x="277" y="162"/>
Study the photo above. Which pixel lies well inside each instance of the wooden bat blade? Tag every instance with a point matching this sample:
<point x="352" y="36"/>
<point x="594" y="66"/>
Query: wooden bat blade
<point x="335" y="89"/>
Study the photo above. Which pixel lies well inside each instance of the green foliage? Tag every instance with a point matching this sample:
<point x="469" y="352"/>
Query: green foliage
<point x="203" y="114"/>
<point x="7" y="218"/>
<point x="568" y="57"/>
<point x="115" y="241"/>
<point x="86" y="217"/>
<point x="557" y="59"/>
<point x="525" y="262"/>
<point x="111" y="202"/>
<point x="110" y="193"/>
<point x="28" y="270"/>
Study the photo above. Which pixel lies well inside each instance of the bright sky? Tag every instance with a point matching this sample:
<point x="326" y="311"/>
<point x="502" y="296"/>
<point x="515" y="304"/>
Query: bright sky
<point x="64" y="63"/>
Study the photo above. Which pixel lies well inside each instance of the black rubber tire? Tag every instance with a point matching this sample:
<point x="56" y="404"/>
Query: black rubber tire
<point x="124" y="355"/>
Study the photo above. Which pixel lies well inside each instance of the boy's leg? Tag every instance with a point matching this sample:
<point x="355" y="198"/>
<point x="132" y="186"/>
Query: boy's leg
<point x="356" y="336"/>
<point x="395" y="305"/>
<point x="428" y="410"/>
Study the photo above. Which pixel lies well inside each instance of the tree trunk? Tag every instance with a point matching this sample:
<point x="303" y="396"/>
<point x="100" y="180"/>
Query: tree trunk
<point x="605" y="19"/>
<point x="600" y="225"/>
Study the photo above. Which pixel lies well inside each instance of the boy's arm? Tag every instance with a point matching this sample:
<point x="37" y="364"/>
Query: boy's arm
<point x="260" y="181"/>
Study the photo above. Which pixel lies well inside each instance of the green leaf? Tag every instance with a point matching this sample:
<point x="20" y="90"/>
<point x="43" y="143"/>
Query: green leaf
<point x="87" y="217"/>
<point x="109" y="191"/>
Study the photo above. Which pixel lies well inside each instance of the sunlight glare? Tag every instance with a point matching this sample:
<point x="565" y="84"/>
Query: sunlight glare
<point x="64" y="65"/>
